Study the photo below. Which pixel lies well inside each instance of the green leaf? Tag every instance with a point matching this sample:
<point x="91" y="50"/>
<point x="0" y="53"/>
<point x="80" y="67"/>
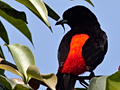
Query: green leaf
<point x="101" y="82"/>
<point x="1" y="57"/>
<point x="22" y="87"/>
<point x="93" y="84"/>
<point x="20" y="84"/>
<point x="89" y="2"/>
<point x="98" y="83"/>
<point x="2" y="87"/>
<point x="113" y="81"/>
<point x="1" y="53"/>
<point x="38" y="8"/>
<point x="11" y="69"/>
<point x="12" y="12"/>
<point x="52" y="13"/>
<point x="2" y="72"/>
<point x="18" y="23"/>
<point x="3" y="33"/>
<point x="23" y="58"/>
<point x="9" y="84"/>
<point x="48" y="79"/>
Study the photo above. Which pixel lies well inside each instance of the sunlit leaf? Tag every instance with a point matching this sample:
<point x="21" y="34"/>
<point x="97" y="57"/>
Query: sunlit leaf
<point x="23" y="57"/>
<point x="22" y="87"/>
<point x="17" y="81"/>
<point x="38" y="8"/>
<point x="48" y="79"/>
<point x="93" y="84"/>
<point x="20" y="84"/>
<point x="89" y="1"/>
<point x="113" y="81"/>
<point x="11" y="69"/>
<point x="18" y="23"/>
<point x="3" y="33"/>
<point x="101" y="82"/>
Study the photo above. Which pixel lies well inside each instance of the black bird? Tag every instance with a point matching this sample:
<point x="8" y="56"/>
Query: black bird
<point x="82" y="49"/>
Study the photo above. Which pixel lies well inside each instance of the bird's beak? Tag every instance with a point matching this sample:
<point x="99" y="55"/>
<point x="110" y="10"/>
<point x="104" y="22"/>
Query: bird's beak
<point x="61" y="22"/>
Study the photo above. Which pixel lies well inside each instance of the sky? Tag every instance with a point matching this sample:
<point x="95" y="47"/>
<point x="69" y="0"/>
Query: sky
<point x="46" y="43"/>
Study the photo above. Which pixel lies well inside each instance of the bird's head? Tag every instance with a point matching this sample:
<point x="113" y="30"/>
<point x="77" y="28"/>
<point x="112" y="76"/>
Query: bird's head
<point x="78" y="16"/>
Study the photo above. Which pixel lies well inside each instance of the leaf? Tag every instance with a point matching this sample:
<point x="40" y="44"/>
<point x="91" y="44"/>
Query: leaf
<point x="2" y="87"/>
<point x="113" y="81"/>
<point x="48" y="79"/>
<point x="2" y="72"/>
<point x="101" y="82"/>
<point x="38" y="8"/>
<point x="9" y="84"/>
<point x="3" y="33"/>
<point x="22" y="87"/>
<point x="1" y="58"/>
<point x="20" y="84"/>
<point x="89" y="2"/>
<point x="23" y="58"/>
<point x="1" y="53"/>
<point x="18" y="23"/>
<point x="17" y="80"/>
<point x="52" y="13"/>
<point x="11" y="69"/>
<point x="93" y="85"/>
<point x="12" y="12"/>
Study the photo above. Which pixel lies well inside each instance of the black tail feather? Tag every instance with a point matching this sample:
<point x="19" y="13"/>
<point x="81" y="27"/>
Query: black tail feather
<point x="66" y="81"/>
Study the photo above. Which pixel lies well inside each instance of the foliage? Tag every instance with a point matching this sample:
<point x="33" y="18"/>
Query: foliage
<point x="24" y="58"/>
<point x="89" y="1"/>
<point x="25" y="63"/>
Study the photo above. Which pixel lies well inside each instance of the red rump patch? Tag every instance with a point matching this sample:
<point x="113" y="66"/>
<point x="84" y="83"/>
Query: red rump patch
<point x="74" y="62"/>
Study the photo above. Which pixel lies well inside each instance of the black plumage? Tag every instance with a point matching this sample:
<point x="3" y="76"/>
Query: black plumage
<point x="82" y="21"/>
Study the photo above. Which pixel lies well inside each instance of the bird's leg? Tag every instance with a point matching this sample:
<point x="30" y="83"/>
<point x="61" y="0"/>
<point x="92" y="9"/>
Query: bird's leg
<point x="83" y="78"/>
<point x="91" y="75"/>
<point x="83" y="83"/>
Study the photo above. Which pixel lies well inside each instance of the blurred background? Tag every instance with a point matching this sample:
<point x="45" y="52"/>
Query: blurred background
<point x="46" y="43"/>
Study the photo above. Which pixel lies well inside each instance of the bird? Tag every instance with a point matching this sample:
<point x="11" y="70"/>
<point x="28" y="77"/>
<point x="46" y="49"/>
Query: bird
<point x="82" y="48"/>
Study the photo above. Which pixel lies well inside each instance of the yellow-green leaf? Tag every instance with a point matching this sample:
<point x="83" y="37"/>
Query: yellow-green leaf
<point x="23" y="58"/>
<point x="113" y="81"/>
<point x="11" y="69"/>
<point x="38" y="8"/>
<point x="48" y="79"/>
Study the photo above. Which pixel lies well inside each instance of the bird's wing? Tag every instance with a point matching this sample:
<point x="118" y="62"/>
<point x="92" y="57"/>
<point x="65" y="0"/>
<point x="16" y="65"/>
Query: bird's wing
<point x="94" y="50"/>
<point x="64" y="48"/>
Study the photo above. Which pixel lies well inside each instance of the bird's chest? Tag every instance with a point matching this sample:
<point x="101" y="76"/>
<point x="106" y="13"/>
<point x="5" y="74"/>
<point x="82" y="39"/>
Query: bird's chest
<point x="74" y="62"/>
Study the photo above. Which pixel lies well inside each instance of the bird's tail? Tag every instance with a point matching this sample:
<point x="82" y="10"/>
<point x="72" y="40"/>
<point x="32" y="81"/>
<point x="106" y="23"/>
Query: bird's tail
<point x="66" y="81"/>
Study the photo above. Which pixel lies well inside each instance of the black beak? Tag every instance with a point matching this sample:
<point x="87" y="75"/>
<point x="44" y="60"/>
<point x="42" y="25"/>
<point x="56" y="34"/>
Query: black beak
<point x="61" y="22"/>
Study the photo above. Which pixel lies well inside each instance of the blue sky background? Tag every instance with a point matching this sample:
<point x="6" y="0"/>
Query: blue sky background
<point x="46" y="43"/>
